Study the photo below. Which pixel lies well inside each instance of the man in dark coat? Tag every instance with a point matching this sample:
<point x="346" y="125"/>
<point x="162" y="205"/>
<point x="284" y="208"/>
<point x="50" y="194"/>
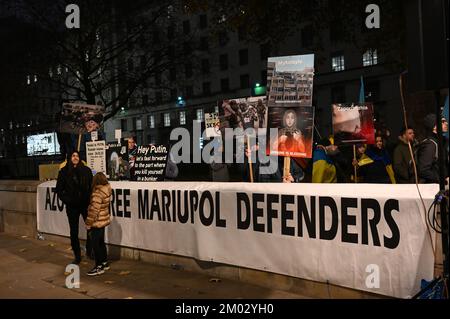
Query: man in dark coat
<point x="427" y="154"/>
<point x="402" y="157"/>
<point x="74" y="189"/>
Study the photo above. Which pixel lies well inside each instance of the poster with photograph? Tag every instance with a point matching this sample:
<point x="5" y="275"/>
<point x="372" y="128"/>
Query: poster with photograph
<point x="295" y="124"/>
<point x="150" y="163"/>
<point x="116" y="162"/>
<point x="212" y="124"/>
<point x="353" y="123"/>
<point x="95" y="156"/>
<point x="290" y="79"/>
<point x="250" y="112"/>
<point x="80" y="118"/>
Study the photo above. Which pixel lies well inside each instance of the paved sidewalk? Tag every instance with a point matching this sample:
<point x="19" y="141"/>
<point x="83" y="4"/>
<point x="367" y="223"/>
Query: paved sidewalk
<point x="31" y="268"/>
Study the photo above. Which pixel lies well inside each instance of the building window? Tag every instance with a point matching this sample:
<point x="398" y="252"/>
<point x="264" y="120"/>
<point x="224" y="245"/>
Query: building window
<point x="242" y="33"/>
<point x="151" y="121"/>
<point x="338" y="94"/>
<point x="370" y="57"/>
<point x="138" y="124"/>
<point x="189" y="91"/>
<point x="337" y="62"/>
<point x="156" y="38"/>
<point x="243" y="57"/>
<point x="307" y="36"/>
<point x="173" y="94"/>
<point x="225" y="85"/>
<point x="130" y="65"/>
<point x="200" y="115"/>
<point x="216" y="109"/>
<point x="372" y="91"/>
<point x="205" y="66"/>
<point x="223" y="60"/>
<point x="264" y="77"/>
<point x="143" y="61"/>
<point x="158" y="78"/>
<point x="206" y="88"/>
<point x="186" y="27"/>
<point x="170" y="32"/>
<point x="245" y="81"/>
<point x="172" y="74"/>
<point x="158" y="97"/>
<point x="204" y="45"/>
<point x="182" y="117"/>
<point x="188" y="70"/>
<point x="223" y="38"/>
<point x="203" y="23"/>
<point x="187" y="48"/>
<point x="123" y="125"/>
<point x="151" y="139"/>
<point x="166" y="119"/>
<point x="264" y="51"/>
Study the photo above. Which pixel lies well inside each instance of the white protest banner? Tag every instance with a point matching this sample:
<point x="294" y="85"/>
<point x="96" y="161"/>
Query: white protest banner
<point x="330" y="233"/>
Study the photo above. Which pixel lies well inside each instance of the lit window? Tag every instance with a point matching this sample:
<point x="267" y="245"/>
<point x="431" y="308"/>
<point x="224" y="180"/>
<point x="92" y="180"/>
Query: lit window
<point x="58" y="69"/>
<point x="216" y="109"/>
<point x="200" y="115"/>
<point x="50" y="72"/>
<point x="28" y="80"/>
<point x="370" y="57"/>
<point x="35" y="78"/>
<point x="182" y="117"/>
<point x="138" y="124"/>
<point x="151" y="121"/>
<point x="166" y="119"/>
<point x="337" y="63"/>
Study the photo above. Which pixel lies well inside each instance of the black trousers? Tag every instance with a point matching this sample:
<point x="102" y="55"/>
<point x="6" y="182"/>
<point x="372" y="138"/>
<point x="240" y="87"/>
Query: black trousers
<point x="73" y="215"/>
<point x="98" y="245"/>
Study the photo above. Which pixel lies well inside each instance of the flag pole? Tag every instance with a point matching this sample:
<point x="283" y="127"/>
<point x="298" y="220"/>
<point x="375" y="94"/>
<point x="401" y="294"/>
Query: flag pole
<point x="354" y="166"/>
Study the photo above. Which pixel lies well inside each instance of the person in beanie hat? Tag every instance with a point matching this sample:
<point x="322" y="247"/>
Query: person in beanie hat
<point x="427" y="152"/>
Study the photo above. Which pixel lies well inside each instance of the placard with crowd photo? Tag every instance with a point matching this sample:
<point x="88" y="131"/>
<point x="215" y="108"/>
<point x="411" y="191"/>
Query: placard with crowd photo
<point x="353" y="123"/>
<point x="117" y="162"/>
<point x="250" y="112"/>
<point x="80" y="118"/>
<point x="295" y="124"/>
<point x="212" y="124"/>
<point x="290" y="79"/>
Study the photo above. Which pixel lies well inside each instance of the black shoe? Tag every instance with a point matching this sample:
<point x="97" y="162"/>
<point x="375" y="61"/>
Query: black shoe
<point x="98" y="270"/>
<point x="76" y="261"/>
<point x="106" y="265"/>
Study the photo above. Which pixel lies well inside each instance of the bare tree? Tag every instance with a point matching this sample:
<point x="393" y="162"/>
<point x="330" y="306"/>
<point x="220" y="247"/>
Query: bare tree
<point x="121" y="49"/>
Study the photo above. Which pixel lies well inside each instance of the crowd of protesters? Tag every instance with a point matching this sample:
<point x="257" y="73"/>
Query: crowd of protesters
<point x="89" y="196"/>
<point x="385" y="162"/>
